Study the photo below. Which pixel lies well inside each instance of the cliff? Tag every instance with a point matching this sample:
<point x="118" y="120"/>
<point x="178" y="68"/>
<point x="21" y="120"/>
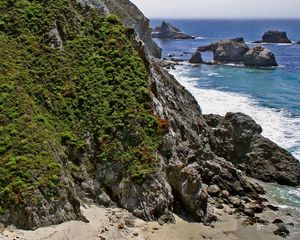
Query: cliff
<point x="88" y="115"/>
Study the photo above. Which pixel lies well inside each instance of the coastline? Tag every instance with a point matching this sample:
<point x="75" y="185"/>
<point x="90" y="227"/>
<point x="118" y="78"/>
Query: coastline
<point x="216" y="101"/>
<point x="118" y="224"/>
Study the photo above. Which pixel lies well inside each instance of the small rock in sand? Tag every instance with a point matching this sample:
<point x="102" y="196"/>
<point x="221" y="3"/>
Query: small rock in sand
<point x="121" y="226"/>
<point x="282" y="231"/>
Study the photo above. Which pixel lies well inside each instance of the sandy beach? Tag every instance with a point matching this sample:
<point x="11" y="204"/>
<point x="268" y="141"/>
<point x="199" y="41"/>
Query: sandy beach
<point x="118" y="224"/>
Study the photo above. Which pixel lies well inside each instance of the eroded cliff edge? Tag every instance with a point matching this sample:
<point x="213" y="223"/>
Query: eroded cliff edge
<point x="103" y="122"/>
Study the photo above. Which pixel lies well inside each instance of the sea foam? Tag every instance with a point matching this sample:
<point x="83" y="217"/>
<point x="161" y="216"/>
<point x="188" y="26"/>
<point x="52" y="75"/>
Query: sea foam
<point x="277" y="125"/>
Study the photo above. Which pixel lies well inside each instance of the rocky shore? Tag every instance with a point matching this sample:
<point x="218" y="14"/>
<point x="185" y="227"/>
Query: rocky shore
<point x="118" y="224"/>
<point x="199" y="163"/>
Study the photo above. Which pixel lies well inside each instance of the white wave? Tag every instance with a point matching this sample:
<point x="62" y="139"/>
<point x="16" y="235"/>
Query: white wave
<point x="295" y="192"/>
<point x="284" y="44"/>
<point x="200" y="38"/>
<point x="213" y="74"/>
<point x="278" y="44"/>
<point x="276" y="125"/>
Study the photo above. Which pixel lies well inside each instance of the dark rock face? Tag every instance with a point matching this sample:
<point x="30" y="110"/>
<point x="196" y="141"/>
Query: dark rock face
<point x="260" y="57"/>
<point x="275" y="37"/>
<point x="238" y="139"/>
<point x="229" y="50"/>
<point x="190" y="162"/>
<point x="167" y="31"/>
<point x="298" y="42"/>
<point x="196" y="152"/>
<point x="196" y="58"/>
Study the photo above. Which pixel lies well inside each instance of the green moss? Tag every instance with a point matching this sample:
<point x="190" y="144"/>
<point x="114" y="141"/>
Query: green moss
<point x="50" y="99"/>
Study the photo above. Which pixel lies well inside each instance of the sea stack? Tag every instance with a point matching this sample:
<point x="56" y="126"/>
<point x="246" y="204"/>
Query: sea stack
<point x="196" y="58"/>
<point x="260" y="57"/>
<point x="232" y="50"/>
<point x="167" y="31"/>
<point x="236" y="51"/>
<point x="274" y="37"/>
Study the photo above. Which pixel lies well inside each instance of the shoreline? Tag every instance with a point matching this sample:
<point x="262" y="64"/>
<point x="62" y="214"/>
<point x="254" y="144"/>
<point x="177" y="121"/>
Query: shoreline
<point x="118" y="224"/>
<point x="273" y="122"/>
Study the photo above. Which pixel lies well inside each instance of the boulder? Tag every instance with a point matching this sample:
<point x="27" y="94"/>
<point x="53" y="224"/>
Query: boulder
<point x="213" y="190"/>
<point x="282" y="231"/>
<point x="196" y="58"/>
<point x="298" y="42"/>
<point x="274" y="37"/>
<point x="229" y="50"/>
<point x="167" y="31"/>
<point x="260" y="57"/>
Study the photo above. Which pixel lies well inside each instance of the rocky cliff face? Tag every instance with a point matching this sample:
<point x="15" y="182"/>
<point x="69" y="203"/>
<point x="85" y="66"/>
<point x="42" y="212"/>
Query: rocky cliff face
<point x="88" y="116"/>
<point x="130" y="16"/>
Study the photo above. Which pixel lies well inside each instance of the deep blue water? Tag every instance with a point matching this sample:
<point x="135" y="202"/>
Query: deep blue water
<point x="271" y="97"/>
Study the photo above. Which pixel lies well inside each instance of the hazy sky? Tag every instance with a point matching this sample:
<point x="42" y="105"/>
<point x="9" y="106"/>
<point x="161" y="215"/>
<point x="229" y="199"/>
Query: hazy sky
<point x="219" y="8"/>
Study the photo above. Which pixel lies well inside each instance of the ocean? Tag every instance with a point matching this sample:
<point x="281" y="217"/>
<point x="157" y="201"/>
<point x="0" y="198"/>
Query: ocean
<point x="270" y="97"/>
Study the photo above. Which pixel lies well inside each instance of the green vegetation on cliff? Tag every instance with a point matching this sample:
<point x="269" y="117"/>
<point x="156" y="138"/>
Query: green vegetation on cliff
<point x="56" y="103"/>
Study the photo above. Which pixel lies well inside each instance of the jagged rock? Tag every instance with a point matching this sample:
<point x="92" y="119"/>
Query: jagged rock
<point x="196" y="58"/>
<point x="213" y="190"/>
<point x="187" y="185"/>
<point x="131" y="16"/>
<point x="274" y="37"/>
<point x="298" y="42"/>
<point x="260" y="57"/>
<point x="167" y="31"/>
<point x="191" y="155"/>
<point x="238" y="139"/>
<point x="229" y="50"/>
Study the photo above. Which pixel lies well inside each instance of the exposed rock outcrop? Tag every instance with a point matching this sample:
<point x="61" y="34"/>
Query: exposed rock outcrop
<point x="260" y="57"/>
<point x="196" y="58"/>
<point x="274" y="37"/>
<point x="236" y="51"/>
<point x="238" y="139"/>
<point x="195" y="156"/>
<point x="130" y="16"/>
<point x="167" y="31"/>
<point x="229" y="50"/>
<point x="54" y="38"/>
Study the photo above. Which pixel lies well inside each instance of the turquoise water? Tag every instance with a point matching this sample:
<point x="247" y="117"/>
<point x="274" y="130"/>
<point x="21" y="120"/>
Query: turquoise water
<point x="271" y="97"/>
